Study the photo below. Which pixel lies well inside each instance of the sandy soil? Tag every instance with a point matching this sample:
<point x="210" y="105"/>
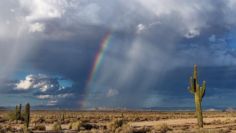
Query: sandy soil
<point x="179" y="121"/>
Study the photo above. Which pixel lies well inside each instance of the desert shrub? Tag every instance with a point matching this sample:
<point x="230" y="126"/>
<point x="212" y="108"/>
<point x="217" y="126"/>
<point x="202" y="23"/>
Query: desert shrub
<point x="9" y="128"/>
<point x="11" y="116"/>
<point x="66" y="121"/>
<point x="129" y="129"/>
<point x="2" y="129"/>
<point x="227" y="130"/>
<point x="26" y="130"/>
<point x="126" y="129"/>
<point x="75" y="125"/>
<point x="164" y="128"/>
<point x="3" y="119"/>
<point x="56" y="126"/>
<point x="204" y="130"/>
<point x="40" y="119"/>
<point x="87" y="126"/>
<point x="184" y="127"/>
<point x="144" y="129"/>
<point x="118" y="123"/>
<point x="115" y="124"/>
<point x="81" y="125"/>
<point x="50" y="121"/>
<point x="227" y="121"/>
<point x="40" y="127"/>
<point x="216" y="122"/>
<point x="70" y="126"/>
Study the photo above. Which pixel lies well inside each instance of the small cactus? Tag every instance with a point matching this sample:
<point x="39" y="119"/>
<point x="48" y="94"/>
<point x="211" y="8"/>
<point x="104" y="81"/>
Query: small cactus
<point x="27" y="115"/>
<point x="198" y="92"/>
<point x="63" y="118"/>
<point x="19" y="112"/>
<point x="16" y="113"/>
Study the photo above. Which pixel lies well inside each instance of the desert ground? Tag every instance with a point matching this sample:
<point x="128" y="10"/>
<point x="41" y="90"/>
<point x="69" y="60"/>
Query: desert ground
<point x="120" y="122"/>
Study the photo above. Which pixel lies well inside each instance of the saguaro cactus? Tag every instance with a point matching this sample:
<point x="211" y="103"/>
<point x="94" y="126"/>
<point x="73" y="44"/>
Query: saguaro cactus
<point x="198" y="92"/>
<point x="20" y="117"/>
<point x="17" y="112"/>
<point x="27" y="115"/>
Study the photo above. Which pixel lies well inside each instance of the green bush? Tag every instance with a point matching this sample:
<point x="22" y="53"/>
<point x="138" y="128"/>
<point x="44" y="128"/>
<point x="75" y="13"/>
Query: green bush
<point x="75" y="125"/>
<point x="115" y="124"/>
<point x="56" y="126"/>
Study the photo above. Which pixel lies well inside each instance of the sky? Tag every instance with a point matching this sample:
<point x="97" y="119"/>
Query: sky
<point x="116" y="54"/>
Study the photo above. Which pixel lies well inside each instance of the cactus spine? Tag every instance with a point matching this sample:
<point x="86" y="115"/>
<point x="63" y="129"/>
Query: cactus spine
<point x="198" y="92"/>
<point x="27" y="115"/>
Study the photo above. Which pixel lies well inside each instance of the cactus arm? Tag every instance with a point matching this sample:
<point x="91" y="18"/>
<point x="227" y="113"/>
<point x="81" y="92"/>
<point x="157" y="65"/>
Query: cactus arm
<point x="203" y="89"/>
<point x="200" y="94"/>
<point x="191" y="87"/>
<point x="190" y="90"/>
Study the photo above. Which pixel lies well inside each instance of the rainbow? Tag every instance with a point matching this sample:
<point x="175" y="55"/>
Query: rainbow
<point x="99" y="56"/>
<point x="103" y="45"/>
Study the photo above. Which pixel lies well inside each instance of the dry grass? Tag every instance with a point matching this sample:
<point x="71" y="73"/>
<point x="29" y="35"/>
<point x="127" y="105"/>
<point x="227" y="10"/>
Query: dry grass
<point x="121" y="122"/>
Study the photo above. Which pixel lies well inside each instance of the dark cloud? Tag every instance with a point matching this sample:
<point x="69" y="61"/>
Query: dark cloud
<point x="153" y="46"/>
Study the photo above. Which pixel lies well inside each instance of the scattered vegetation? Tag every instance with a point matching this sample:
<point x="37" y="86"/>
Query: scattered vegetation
<point x="75" y="125"/>
<point x="56" y="127"/>
<point x="116" y="122"/>
<point x="40" y="127"/>
<point x="164" y="128"/>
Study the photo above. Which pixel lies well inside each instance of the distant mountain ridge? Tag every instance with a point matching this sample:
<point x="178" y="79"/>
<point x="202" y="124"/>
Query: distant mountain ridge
<point x="226" y="109"/>
<point x="4" y="108"/>
<point x="41" y="107"/>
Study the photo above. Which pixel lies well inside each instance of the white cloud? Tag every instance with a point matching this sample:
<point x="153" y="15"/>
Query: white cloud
<point x="59" y="96"/>
<point x="89" y="14"/>
<point x="44" y="88"/>
<point x="54" y="99"/>
<point x="25" y="84"/>
<point x="44" y="96"/>
<point x="39" y="10"/>
<point x="37" y="27"/>
<point x="41" y="82"/>
<point x="43" y="9"/>
<point x="140" y="28"/>
<point x="192" y="33"/>
<point x="112" y="92"/>
<point x="66" y="95"/>
<point x="12" y="10"/>
<point x="189" y="12"/>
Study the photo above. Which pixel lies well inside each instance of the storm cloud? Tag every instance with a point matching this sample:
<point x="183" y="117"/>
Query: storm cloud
<point x="152" y="48"/>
